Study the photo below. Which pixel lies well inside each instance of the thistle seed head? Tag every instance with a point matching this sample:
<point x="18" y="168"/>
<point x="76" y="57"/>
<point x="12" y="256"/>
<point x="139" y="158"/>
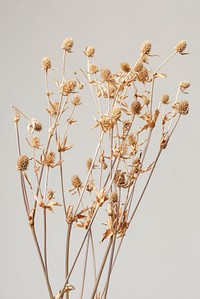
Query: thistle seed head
<point x="125" y="67"/>
<point x="93" y="68"/>
<point x="165" y="98"/>
<point x="114" y="197"/>
<point x="46" y="63"/>
<point x="182" y="107"/>
<point x="143" y="75"/>
<point x="76" y="182"/>
<point x="89" y="51"/>
<point x="106" y="74"/>
<point x="146" y="47"/>
<point x="22" y="163"/>
<point x="181" y="46"/>
<point x="68" y="44"/>
<point x="135" y="107"/>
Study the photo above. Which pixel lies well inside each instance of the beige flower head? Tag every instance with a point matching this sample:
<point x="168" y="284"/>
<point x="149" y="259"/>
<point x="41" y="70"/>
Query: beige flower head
<point x="165" y="98"/>
<point x="181" y="46"/>
<point x="76" y="182"/>
<point x="143" y="75"/>
<point x="182" y="107"/>
<point x="106" y="74"/>
<point x="135" y="107"/>
<point x="114" y="197"/>
<point x="116" y="113"/>
<point x="46" y="63"/>
<point x="125" y="67"/>
<point x="22" y="163"/>
<point x="68" y="44"/>
<point x="89" y="51"/>
<point x="146" y="47"/>
<point x="93" y="68"/>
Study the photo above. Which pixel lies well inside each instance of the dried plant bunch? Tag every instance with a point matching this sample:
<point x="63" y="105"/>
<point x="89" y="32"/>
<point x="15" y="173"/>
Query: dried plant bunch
<point x="126" y="117"/>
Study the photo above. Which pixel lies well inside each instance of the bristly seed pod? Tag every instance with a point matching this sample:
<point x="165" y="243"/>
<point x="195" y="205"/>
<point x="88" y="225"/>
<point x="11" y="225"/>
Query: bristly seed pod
<point x="46" y="63"/>
<point x="106" y="74"/>
<point x="165" y="99"/>
<point x="93" y="68"/>
<point x="22" y="163"/>
<point x="135" y="107"/>
<point x="181" y="46"/>
<point x="38" y="126"/>
<point x="146" y="47"/>
<point x="68" y="44"/>
<point x="76" y="182"/>
<point x="125" y="67"/>
<point x="89" y="51"/>
<point x="114" y="197"/>
<point x="143" y="75"/>
<point x="182" y="107"/>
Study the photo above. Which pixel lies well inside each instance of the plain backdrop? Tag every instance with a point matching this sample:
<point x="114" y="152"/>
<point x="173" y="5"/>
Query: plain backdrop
<point x="161" y="256"/>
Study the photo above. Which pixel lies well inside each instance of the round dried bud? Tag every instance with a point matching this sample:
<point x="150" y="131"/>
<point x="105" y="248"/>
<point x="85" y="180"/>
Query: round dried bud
<point x="89" y="51"/>
<point x="125" y="67"/>
<point x="135" y="107"/>
<point x="106" y="74"/>
<point x="76" y="101"/>
<point x="184" y="85"/>
<point x="93" y="68"/>
<point x="76" y="182"/>
<point x="114" y="197"/>
<point x="182" y="107"/>
<point x="89" y="163"/>
<point x="146" y="47"/>
<point x="143" y="75"/>
<point x="68" y="44"/>
<point x="181" y="46"/>
<point x="116" y="113"/>
<point x="22" y="162"/>
<point x="37" y="126"/>
<point x="165" y="98"/>
<point x="138" y="67"/>
<point x="46" y="63"/>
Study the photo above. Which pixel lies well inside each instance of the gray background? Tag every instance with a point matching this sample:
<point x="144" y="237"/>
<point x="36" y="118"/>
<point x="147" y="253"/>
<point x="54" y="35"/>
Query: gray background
<point x="161" y="256"/>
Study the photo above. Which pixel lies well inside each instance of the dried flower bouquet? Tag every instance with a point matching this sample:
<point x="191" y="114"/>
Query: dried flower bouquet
<point x="127" y="117"/>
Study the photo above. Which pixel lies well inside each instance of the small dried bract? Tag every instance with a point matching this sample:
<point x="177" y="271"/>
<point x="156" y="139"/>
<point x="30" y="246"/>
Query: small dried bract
<point x="68" y="44"/>
<point x="22" y="163"/>
<point x="35" y="142"/>
<point x="50" y="194"/>
<point x="181" y="46"/>
<point x="106" y="74"/>
<point x="48" y="159"/>
<point x="49" y="206"/>
<point x="101" y="197"/>
<point x="63" y="147"/>
<point x="76" y="182"/>
<point x="89" y="51"/>
<point x="46" y="63"/>
<point x="146" y="47"/>
<point x="182" y="107"/>
<point x="76" y="101"/>
<point x="53" y="108"/>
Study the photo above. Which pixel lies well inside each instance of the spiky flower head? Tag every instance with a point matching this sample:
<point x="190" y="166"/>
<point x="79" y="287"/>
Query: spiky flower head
<point x="114" y="197"/>
<point x="68" y="44"/>
<point x="184" y="85"/>
<point x="22" y="163"/>
<point x="146" y="47"/>
<point x="135" y="107"/>
<point x="181" y="46"/>
<point x="46" y="63"/>
<point x="143" y="75"/>
<point x="93" y="68"/>
<point x="165" y="98"/>
<point x="125" y="67"/>
<point x="89" y="51"/>
<point x="76" y="182"/>
<point x="106" y="74"/>
<point x="182" y="107"/>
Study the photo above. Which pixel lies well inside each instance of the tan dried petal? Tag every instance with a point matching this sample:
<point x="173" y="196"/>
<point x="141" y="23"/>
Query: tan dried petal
<point x="135" y="107"/>
<point x="46" y="63"/>
<point x="68" y="44"/>
<point x="181" y="46"/>
<point x="22" y="163"/>
<point x="146" y="47"/>
<point x="125" y="67"/>
<point x="89" y="51"/>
